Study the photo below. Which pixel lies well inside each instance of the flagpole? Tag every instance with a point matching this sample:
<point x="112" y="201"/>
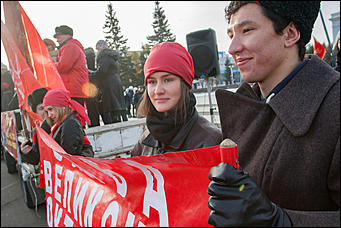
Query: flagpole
<point x="329" y="46"/>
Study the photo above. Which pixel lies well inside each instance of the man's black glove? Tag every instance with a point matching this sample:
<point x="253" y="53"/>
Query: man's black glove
<point x="236" y="200"/>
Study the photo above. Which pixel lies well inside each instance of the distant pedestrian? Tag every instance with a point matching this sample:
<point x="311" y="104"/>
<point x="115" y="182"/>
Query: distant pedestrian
<point x="71" y="63"/>
<point x="129" y="99"/>
<point x="109" y="83"/>
<point x="137" y="99"/>
<point x="92" y="102"/>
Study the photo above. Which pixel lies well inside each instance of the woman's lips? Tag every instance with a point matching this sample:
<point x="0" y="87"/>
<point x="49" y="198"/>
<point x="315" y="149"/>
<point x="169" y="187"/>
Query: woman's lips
<point x="161" y="100"/>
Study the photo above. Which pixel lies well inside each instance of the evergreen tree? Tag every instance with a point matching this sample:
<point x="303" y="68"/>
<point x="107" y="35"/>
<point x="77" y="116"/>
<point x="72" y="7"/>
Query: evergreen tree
<point x="116" y="41"/>
<point x="228" y="72"/>
<point x="114" y="38"/>
<point x="161" y="28"/>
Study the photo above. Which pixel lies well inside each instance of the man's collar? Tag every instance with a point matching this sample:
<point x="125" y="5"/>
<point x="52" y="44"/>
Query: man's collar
<point x="62" y="44"/>
<point x="283" y="83"/>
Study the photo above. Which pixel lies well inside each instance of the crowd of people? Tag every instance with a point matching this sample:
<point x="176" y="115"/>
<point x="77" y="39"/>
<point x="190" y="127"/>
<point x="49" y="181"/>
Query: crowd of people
<point x="284" y="117"/>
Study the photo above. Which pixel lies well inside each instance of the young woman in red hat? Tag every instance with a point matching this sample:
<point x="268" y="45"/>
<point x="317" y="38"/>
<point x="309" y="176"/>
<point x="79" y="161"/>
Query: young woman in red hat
<point x="66" y="118"/>
<point x="173" y="123"/>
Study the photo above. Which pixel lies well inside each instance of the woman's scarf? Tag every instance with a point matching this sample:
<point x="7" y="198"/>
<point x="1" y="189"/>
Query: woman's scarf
<point x="165" y="127"/>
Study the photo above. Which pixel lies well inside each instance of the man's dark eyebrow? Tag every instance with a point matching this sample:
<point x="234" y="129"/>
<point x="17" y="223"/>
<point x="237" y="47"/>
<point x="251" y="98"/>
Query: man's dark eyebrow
<point x="241" y="24"/>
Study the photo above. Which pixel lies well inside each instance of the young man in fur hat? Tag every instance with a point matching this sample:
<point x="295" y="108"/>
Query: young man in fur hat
<point x="30" y="150"/>
<point x="286" y="125"/>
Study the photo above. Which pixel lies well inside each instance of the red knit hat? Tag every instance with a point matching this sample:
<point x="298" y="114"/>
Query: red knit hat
<point x="60" y="98"/>
<point x="170" y="57"/>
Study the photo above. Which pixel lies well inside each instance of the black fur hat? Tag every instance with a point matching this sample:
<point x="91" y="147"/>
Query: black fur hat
<point x="302" y="13"/>
<point x="36" y="98"/>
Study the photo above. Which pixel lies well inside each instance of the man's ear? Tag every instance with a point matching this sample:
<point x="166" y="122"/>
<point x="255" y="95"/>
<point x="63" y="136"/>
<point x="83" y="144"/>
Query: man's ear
<point x="291" y="34"/>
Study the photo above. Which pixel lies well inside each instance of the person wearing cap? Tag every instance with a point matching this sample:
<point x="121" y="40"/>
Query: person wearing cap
<point x="168" y="103"/>
<point x="28" y="148"/>
<point x="71" y="63"/>
<point x="66" y="117"/>
<point x="111" y="104"/>
<point x="286" y="123"/>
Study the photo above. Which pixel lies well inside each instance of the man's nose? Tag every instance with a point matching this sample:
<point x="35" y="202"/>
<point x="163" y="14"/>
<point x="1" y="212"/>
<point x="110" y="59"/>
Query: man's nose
<point x="235" y="46"/>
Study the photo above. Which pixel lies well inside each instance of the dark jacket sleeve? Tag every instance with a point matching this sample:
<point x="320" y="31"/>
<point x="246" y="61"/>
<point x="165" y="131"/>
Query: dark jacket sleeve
<point x="72" y="136"/>
<point x="87" y="151"/>
<point x="33" y="157"/>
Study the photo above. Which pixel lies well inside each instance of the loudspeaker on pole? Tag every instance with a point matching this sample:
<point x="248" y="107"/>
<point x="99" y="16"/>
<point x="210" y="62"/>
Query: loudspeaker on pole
<point x="202" y="46"/>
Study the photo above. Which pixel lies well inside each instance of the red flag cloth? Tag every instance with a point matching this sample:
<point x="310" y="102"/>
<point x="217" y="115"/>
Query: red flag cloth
<point x="166" y="190"/>
<point x="44" y="68"/>
<point x="319" y="49"/>
<point x="22" y="76"/>
<point x="12" y="12"/>
<point x="26" y="51"/>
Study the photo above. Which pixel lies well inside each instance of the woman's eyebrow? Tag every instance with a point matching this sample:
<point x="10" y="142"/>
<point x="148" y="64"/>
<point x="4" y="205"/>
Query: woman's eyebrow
<point x="164" y="75"/>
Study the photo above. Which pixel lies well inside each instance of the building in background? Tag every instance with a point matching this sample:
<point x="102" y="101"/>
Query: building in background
<point x="335" y="19"/>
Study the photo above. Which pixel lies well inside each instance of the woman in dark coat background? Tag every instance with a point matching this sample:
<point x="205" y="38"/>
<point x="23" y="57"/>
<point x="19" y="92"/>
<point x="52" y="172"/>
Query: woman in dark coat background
<point x="92" y="102"/>
<point x="109" y="83"/>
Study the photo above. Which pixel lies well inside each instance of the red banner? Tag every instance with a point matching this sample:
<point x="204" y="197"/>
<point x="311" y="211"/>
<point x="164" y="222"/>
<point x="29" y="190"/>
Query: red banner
<point x="160" y="190"/>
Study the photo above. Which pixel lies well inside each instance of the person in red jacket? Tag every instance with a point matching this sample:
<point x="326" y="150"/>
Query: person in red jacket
<point x="71" y="63"/>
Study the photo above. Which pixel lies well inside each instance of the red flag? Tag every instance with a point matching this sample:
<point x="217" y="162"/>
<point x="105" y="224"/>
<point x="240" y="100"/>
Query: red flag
<point x="14" y="24"/>
<point x="22" y="76"/>
<point x="26" y="51"/>
<point x="32" y="46"/>
<point x="43" y="65"/>
<point x="319" y="49"/>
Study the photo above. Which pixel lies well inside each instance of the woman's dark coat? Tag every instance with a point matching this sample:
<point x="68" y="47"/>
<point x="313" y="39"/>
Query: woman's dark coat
<point x="70" y="136"/>
<point x="291" y="145"/>
<point x="109" y="82"/>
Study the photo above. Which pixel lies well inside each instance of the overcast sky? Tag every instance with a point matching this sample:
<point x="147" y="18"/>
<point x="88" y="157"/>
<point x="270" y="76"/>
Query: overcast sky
<point x="136" y="17"/>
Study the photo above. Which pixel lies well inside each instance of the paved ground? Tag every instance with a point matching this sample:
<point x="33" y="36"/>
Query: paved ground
<point x="14" y="212"/>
